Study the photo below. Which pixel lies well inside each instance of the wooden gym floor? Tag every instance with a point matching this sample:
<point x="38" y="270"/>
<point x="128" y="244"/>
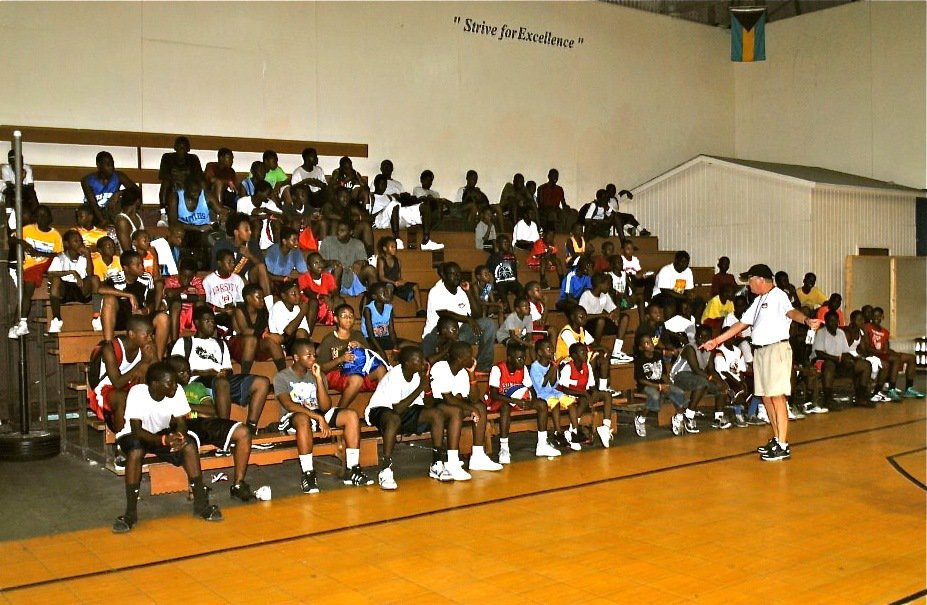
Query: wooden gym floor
<point x="689" y="519"/>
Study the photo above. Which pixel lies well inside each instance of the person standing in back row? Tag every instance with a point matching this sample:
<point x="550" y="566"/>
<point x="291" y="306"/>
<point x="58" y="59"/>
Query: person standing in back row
<point x="770" y="317"/>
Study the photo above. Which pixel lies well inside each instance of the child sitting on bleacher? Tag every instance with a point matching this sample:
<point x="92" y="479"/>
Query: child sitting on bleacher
<point x="339" y="354"/>
<point x="518" y="326"/>
<point x="250" y="342"/>
<point x="504" y="267"/>
<point x="68" y="280"/>
<point x="690" y="372"/>
<point x="601" y="262"/>
<point x="320" y="286"/>
<point x="397" y="407"/>
<point x="718" y="307"/>
<point x="128" y="221"/>
<point x="742" y="340"/>
<point x="453" y="384"/>
<point x="288" y="317"/>
<point x="575" y="331"/>
<point x="604" y="317"/>
<point x="106" y="265"/>
<point x="654" y="382"/>
<point x="90" y="233"/>
<point x="211" y="365"/>
<point x="448" y="332"/>
<point x="575" y="381"/>
<point x="730" y="366"/>
<point x="141" y="243"/>
<point x="485" y="231"/>
<point x="577" y="245"/>
<point x="543" y="372"/>
<point x="283" y="259"/>
<point x="544" y="259"/>
<point x="576" y="282"/>
<point x="525" y="233"/>
<point x="227" y="436"/>
<point x="389" y="271"/>
<point x="538" y="308"/>
<point x="41" y="243"/>
<point x="249" y="260"/>
<point x="303" y="394"/>
<point x="223" y="289"/>
<point x="377" y="322"/>
<point x="156" y="423"/>
<point x="511" y="387"/>
<point x="181" y="293"/>
<point x="482" y="293"/>
<point x="117" y="365"/>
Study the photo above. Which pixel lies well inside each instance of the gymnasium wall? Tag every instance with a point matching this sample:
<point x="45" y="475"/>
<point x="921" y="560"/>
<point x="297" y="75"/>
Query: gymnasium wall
<point x="843" y="88"/>
<point x="640" y="93"/>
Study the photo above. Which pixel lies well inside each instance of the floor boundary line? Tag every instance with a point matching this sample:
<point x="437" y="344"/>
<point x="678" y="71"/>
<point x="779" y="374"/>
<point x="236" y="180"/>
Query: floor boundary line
<point x="892" y="460"/>
<point x="543" y="492"/>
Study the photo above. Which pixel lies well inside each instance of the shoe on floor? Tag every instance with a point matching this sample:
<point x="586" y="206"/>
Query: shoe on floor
<point x="505" y="456"/>
<point x="677" y="424"/>
<point x="386" y="480"/>
<point x="912" y="393"/>
<point x="605" y="435"/>
<point x="739" y="421"/>
<point x="545" y="449"/>
<point x="769" y="445"/>
<point x="210" y="513"/>
<point x="816" y="409"/>
<point x="309" y="483"/>
<point x="755" y="421"/>
<point x="721" y="423"/>
<point x="124" y="524"/>
<point x="242" y="492"/>
<point x="55" y="325"/>
<point x="482" y="463"/>
<point x="457" y="472"/>
<point x="691" y="426"/>
<point x="640" y="426"/>
<point x="894" y="395"/>
<point x="432" y="245"/>
<point x="559" y="440"/>
<point x="357" y="477"/>
<point x="777" y="452"/>
<point x="439" y="471"/>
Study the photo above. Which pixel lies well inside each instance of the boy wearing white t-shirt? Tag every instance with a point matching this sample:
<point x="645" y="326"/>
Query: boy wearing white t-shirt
<point x="452" y="383"/>
<point x="287" y="319"/>
<point x="67" y="278"/>
<point x="223" y="287"/>
<point x="674" y="282"/>
<point x="155" y="423"/>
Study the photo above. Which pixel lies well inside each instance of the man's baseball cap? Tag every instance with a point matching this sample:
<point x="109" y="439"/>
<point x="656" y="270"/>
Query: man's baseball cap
<point x="762" y="271"/>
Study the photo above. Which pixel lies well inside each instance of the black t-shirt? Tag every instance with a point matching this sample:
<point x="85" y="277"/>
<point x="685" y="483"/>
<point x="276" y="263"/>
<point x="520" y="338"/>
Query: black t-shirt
<point x="504" y="267"/>
<point x="650" y="370"/>
<point x="139" y="289"/>
<point x="175" y="171"/>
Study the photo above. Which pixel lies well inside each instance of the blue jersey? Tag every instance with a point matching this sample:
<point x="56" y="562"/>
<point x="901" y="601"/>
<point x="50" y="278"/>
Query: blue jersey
<point x="379" y="321"/>
<point x="197" y="217"/>
<point x="574" y="285"/>
<point x="103" y="191"/>
<point x="537" y="373"/>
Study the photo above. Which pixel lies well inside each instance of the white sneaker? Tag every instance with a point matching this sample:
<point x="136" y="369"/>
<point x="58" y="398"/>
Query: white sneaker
<point x="456" y="472"/>
<point x="400" y="245"/>
<point x="573" y="445"/>
<point x="97" y="324"/>
<point x="818" y="410"/>
<point x="19" y="329"/>
<point x="55" y="325"/>
<point x="385" y="479"/>
<point x="162" y="222"/>
<point x="604" y="434"/>
<point x="545" y="449"/>
<point x="792" y="415"/>
<point x="621" y="358"/>
<point x="677" y="424"/>
<point x="505" y="456"/>
<point x="432" y="245"/>
<point x="640" y="426"/>
<point x="482" y="463"/>
<point x="439" y="471"/>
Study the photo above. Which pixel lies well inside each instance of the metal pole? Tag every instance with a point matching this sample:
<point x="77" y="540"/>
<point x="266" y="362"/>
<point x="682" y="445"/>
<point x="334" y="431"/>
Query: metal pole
<point x="23" y="376"/>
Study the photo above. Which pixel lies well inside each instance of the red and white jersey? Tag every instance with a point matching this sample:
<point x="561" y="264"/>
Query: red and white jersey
<point x="503" y="379"/>
<point x="220" y="291"/>
<point x="573" y="377"/>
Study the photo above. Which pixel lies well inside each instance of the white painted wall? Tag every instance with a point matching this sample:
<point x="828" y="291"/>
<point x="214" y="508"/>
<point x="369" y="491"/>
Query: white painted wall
<point x="400" y="76"/>
<point x="843" y="88"/>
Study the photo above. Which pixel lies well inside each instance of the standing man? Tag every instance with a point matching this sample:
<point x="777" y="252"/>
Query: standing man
<point x="770" y="316"/>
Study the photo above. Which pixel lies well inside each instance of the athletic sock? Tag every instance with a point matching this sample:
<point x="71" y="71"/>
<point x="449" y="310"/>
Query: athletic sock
<point x="132" y="500"/>
<point x="603" y="384"/>
<point x="200" y="497"/>
<point x="387" y="462"/>
<point x="436" y="455"/>
<point x="352" y="456"/>
<point x="453" y="456"/>
<point x="477" y="451"/>
<point x="503" y="443"/>
<point x="252" y="427"/>
<point x="542" y="437"/>
<point x="607" y="422"/>
<point x="305" y="462"/>
<point x="719" y="415"/>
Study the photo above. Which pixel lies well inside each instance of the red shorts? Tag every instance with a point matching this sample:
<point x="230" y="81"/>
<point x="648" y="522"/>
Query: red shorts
<point x="494" y="406"/>
<point x="186" y="318"/>
<point x="325" y="317"/>
<point x="101" y="405"/>
<point x="235" y="349"/>
<point x="339" y="381"/>
<point x="34" y="274"/>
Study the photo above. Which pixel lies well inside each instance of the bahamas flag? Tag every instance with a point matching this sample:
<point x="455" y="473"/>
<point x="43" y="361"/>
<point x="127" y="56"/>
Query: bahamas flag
<point x="748" y="34"/>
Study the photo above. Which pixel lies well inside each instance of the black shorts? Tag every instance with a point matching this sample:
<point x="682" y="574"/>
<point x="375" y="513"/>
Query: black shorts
<point x="239" y="386"/>
<point x="611" y="328"/>
<point x="505" y="288"/>
<point x="71" y="292"/>
<point x="409" y="420"/>
<point x="406" y="291"/>
<point x="130" y="442"/>
<point x="387" y="343"/>
<point x="212" y="431"/>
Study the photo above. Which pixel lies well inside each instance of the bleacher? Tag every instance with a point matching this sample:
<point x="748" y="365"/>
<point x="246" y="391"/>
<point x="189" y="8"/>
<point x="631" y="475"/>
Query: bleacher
<point x="70" y="350"/>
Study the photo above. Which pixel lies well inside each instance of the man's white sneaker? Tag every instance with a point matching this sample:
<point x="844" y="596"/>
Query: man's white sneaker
<point x="505" y="456"/>
<point x="677" y="424"/>
<point x="818" y="410"/>
<point x="621" y="358"/>
<point x="545" y="449"/>
<point x="19" y="329"/>
<point x="385" y="479"/>
<point x="96" y="324"/>
<point x="482" y="463"/>
<point x="55" y="325"/>
<point x="575" y="446"/>
<point x="400" y="245"/>
<point x="432" y="245"/>
<point x="604" y="434"/>
<point x="456" y="471"/>
<point x="640" y="426"/>
<point x="439" y="471"/>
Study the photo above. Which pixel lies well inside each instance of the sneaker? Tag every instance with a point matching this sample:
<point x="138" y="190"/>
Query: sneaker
<point x="807" y="406"/>
<point x="162" y="222"/>
<point x="691" y="427"/>
<point x="243" y="492"/>
<point x="560" y="440"/>
<point x="572" y="441"/>
<point x="877" y="398"/>
<point x="612" y="392"/>
<point x="769" y="445"/>
<point x="620" y="358"/>
<point x="721" y="423"/>
<point x="545" y="449"/>
<point x="432" y="245"/>
<point x="400" y="245"/>
<point x="644" y="233"/>
<point x="119" y="462"/>
<point x="739" y="421"/>
<point x="894" y="395"/>
<point x="20" y="329"/>
<point x="285" y="426"/>
<point x="880" y="397"/>
<point x="816" y="409"/>
<point x="357" y="477"/>
<point x="262" y="447"/>
<point x="482" y="463"/>
<point x="640" y="426"/>
<point x="605" y="435"/>
<point x="456" y="470"/>
<point x="96" y="324"/>
<point x="439" y="471"/>
<point x="677" y="424"/>
<point x="210" y="513"/>
<point x="795" y="413"/>
<point x="309" y="483"/>
<point x="755" y="421"/>
<point x="220" y="453"/>
<point x="385" y="479"/>
<point x="505" y="456"/>
<point x="912" y="393"/>
<point x="124" y="524"/>
<point x="777" y="452"/>
<point x="55" y="325"/>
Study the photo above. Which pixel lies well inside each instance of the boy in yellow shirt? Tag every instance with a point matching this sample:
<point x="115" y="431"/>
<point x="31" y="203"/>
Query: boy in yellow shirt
<point x="41" y="243"/>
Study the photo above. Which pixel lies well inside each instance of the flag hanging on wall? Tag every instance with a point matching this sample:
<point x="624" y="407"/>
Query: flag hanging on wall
<point x="748" y="34"/>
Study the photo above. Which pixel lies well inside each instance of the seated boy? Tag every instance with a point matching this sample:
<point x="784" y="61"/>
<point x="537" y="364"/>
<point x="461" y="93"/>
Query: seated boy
<point x="504" y="267"/>
<point x="156" y="423"/>
<point x="574" y="332"/>
<point x="453" y="384"/>
<point x="88" y="232"/>
<point x="251" y="323"/>
<point x="575" y="382"/>
<point x="879" y="342"/>
<point x="604" y="317"/>
<point x="510" y="387"/>
<point x="284" y="260"/>
<point x="223" y="288"/>
<point x="338" y="357"/>
<point x="226" y="435"/>
<point x="249" y="260"/>
<point x="321" y="287"/>
<point x="302" y="392"/>
<point x="377" y="324"/>
<point x="211" y="366"/>
<point x="182" y="292"/>
<point x="68" y="280"/>
<point x="544" y="373"/>
<point x="287" y="319"/>
<point x="401" y="211"/>
<point x="129" y="293"/>
<point x="544" y="258"/>
<point x="102" y="189"/>
<point x="690" y="372"/>
<point x="447" y="332"/>
<point x="41" y="243"/>
<point x="518" y="325"/>
<point x="398" y="407"/>
<point x="573" y="285"/>
<point x="653" y="381"/>
<point x="834" y="359"/>
<point x="348" y="258"/>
